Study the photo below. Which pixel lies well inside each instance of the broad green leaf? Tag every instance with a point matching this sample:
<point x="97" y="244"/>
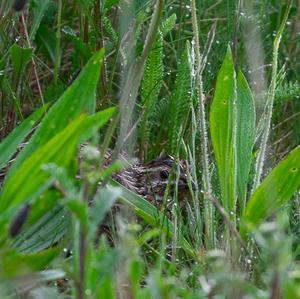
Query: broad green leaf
<point x="223" y="132"/>
<point x="33" y="180"/>
<point x="49" y="229"/>
<point x="60" y="150"/>
<point x="79" y="97"/>
<point x="16" y="264"/>
<point x="149" y="213"/>
<point x="9" y="145"/>
<point x="244" y="137"/>
<point x="19" y="58"/>
<point x="275" y="191"/>
<point x="29" y="176"/>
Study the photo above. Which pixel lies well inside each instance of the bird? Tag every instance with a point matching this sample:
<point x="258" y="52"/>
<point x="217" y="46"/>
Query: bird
<point x="149" y="180"/>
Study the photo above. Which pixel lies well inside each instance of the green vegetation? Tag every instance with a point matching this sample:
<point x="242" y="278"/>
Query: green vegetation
<point x="213" y="83"/>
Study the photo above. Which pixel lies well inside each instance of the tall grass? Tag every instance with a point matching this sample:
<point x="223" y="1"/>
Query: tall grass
<point x="145" y="79"/>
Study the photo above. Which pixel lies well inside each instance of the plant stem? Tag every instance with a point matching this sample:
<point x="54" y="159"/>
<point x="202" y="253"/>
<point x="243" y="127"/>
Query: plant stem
<point x="269" y="103"/>
<point x="32" y="60"/>
<point x="208" y="208"/>
<point x="58" y="39"/>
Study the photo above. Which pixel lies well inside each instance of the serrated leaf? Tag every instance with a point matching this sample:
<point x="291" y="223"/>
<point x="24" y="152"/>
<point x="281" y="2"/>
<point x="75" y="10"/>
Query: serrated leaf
<point x="151" y="85"/>
<point x="179" y="103"/>
<point x="168" y="24"/>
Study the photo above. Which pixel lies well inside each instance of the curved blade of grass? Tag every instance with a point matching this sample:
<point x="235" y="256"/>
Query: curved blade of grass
<point x="245" y="136"/>
<point x="150" y="214"/>
<point x="223" y="131"/>
<point x="276" y="190"/>
<point x="79" y="97"/>
<point x="9" y="145"/>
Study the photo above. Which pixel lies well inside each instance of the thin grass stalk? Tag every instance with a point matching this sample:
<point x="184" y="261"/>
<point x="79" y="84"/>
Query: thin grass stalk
<point x="58" y="41"/>
<point x="134" y="77"/>
<point x="208" y="208"/>
<point x="269" y="103"/>
<point x="32" y="60"/>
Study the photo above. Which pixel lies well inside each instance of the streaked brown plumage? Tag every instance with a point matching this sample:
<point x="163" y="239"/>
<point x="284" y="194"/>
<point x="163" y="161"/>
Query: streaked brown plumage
<point x="148" y="180"/>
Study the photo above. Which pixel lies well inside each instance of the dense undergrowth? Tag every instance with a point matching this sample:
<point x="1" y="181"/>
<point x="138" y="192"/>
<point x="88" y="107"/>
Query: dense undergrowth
<point x="215" y="83"/>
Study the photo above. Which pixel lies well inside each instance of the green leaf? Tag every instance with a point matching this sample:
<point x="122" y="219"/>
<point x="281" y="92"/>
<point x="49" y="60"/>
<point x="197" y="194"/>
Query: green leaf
<point x="179" y="104"/>
<point x="46" y="38"/>
<point x="151" y="85"/>
<point x="80" y="96"/>
<point x="223" y="130"/>
<point x="81" y="49"/>
<point x="29" y="176"/>
<point x="9" y="145"/>
<point x="39" y="10"/>
<point x="168" y="24"/>
<point x="275" y="191"/>
<point x="48" y="230"/>
<point x="41" y="230"/>
<point x="95" y="122"/>
<point x="19" y="58"/>
<point x="245" y="136"/>
<point x="16" y="264"/>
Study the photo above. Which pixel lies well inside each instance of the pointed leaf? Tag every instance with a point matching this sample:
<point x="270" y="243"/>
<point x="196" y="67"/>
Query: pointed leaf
<point x="29" y="176"/>
<point x="275" y="191"/>
<point x="80" y="96"/>
<point x="9" y="145"/>
<point x="223" y="130"/>
<point x="245" y="136"/>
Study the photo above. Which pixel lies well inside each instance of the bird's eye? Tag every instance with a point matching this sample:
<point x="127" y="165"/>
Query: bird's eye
<point x="164" y="174"/>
